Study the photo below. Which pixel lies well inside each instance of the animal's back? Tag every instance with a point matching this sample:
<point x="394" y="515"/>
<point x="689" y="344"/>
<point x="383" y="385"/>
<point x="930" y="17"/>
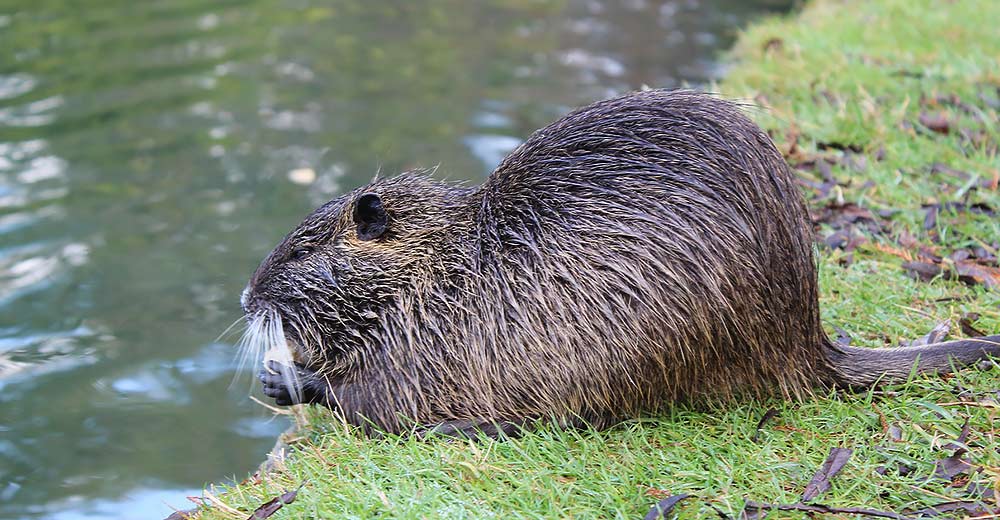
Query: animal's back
<point x="664" y="241"/>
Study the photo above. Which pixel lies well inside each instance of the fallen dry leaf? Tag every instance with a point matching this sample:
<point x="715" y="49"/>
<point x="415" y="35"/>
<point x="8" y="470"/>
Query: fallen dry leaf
<point x="973" y="508"/>
<point x="663" y="508"/>
<point x="966" y="323"/>
<point x="937" y="122"/>
<point x="930" y="217"/>
<point x="818" y="508"/>
<point x="272" y="506"/>
<point x="925" y="271"/>
<point x="844" y="239"/>
<point x="952" y="466"/>
<point x="988" y="181"/>
<point x="967" y="271"/>
<point x="844" y="147"/>
<point x="890" y="250"/>
<point x="753" y="513"/>
<point x="820" y="482"/>
<point x="956" y="464"/>
<point x="975" y="273"/>
<point x="901" y="469"/>
<point x="894" y="433"/>
<point x="771" y="413"/>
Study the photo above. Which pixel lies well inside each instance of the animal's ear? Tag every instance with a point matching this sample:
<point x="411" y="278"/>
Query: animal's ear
<point x="370" y="216"/>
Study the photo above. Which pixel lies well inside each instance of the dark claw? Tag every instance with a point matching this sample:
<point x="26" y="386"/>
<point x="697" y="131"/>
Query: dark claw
<point x="273" y="369"/>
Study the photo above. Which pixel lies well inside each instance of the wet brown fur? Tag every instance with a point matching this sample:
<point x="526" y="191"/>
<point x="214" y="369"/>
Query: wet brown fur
<point x="637" y="252"/>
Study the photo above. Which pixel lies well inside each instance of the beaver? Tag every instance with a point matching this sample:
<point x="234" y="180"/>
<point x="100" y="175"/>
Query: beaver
<point x="640" y="251"/>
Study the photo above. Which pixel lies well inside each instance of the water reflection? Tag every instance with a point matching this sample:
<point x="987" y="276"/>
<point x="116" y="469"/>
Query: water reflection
<point x="152" y="152"/>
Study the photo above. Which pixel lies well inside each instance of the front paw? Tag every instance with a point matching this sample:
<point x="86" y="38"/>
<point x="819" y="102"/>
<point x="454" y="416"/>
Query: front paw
<point x="286" y="386"/>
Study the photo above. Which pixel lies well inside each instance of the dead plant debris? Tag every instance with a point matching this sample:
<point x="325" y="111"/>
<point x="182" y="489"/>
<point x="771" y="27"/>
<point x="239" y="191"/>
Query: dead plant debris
<point x="820" y="482"/>
<point x="664" y="507"/>
<point x="771" y="413"/>
<point x="975" y="499"/>
<point x="272" y="506"/>
<point x="847" y="226"/>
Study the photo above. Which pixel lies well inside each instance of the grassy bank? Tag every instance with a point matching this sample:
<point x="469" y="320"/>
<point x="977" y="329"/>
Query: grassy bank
<point x="889" y="112"/>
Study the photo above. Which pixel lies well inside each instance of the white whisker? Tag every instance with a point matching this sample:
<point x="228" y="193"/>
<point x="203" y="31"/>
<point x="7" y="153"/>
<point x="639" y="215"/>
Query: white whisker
<point x="263" y="341"/>
<point x="239" y="320"/>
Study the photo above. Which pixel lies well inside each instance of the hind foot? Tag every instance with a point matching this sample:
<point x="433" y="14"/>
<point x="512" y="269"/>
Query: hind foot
<point x="475" y="429"/>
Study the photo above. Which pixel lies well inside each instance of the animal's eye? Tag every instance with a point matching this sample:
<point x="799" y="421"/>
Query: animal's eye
<point x="300" y="253"/>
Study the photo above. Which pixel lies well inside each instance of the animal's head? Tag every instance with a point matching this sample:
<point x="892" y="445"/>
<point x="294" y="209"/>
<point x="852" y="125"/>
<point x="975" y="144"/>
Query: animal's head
<point x="324" y="288"/>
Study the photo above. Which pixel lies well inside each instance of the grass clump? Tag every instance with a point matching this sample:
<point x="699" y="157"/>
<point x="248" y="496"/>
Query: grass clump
<point x="898" y="99"/>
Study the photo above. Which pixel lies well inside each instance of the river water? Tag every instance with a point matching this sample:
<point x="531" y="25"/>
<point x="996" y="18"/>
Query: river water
<point x="152" y="152"/>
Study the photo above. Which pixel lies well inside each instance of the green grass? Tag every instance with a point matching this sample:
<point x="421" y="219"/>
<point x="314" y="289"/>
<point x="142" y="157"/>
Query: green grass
<point x="854" y="73"/>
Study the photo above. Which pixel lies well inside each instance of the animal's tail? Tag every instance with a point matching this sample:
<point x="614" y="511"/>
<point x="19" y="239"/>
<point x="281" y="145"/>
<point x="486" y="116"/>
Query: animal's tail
<point x="861" y="367"/>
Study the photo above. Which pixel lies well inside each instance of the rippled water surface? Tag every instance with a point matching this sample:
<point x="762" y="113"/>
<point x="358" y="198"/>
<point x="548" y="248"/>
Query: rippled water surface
<point x="151" y="152"/>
